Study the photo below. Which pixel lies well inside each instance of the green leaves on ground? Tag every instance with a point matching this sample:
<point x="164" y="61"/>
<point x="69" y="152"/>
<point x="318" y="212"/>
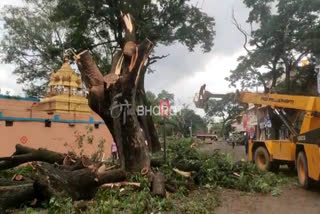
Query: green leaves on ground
<point x="218" y="170"/>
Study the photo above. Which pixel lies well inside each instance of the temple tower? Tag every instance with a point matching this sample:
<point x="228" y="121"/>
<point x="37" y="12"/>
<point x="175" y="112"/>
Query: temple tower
<point x="65" y="92"/>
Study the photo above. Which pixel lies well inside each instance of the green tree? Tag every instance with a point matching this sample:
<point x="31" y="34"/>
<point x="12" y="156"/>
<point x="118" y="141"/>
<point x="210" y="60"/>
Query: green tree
<point x="186" y="118"/>
<point x="166" y="96"/>
<point x="226" y="109"/>
<point x="287" y="31"/>
<point x="32" y="42"/>
<point x="37" y="35"/>
<point x="154" y="101"/>
<point x="152" y="98"/>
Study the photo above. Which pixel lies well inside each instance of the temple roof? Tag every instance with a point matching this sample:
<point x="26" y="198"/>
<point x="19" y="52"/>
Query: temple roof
<point x="66" y="76"/>
<point x="65" y="92"/>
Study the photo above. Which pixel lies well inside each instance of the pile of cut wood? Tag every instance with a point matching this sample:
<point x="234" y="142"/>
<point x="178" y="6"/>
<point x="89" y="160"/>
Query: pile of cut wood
<point x="56" y="174"/>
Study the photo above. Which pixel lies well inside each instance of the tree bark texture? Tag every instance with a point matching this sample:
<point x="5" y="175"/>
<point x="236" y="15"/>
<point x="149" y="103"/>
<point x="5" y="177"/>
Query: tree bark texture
<point x="116" y="95"/>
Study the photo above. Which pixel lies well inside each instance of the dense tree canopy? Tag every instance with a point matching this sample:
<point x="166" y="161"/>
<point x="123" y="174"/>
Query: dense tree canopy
<point x="185" y="119"/>
<point x="178" y="121"/>
<point x="283" y="33"/>
<point x="226" y="108"/>
<point x="37" y="35"/>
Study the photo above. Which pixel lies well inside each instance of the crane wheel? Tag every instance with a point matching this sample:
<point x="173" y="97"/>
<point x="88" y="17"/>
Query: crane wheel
<point x="302" y="169"/>
<point x="262" y="159"/>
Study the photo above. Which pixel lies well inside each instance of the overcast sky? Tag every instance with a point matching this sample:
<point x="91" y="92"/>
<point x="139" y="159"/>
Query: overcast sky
<point x="183" y="72"/>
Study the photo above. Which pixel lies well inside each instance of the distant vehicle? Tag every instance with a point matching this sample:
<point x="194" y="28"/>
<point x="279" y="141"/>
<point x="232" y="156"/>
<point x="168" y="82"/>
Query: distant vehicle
<point x="238" y="138"/>
<point x="203" y="137"/>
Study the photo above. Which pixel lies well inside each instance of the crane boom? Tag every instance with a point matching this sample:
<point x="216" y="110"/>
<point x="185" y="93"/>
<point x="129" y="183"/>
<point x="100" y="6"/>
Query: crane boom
<point x="305" y="103"/>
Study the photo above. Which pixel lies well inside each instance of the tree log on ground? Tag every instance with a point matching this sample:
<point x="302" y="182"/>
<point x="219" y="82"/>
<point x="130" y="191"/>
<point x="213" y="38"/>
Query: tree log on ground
<point x="80" y="184"/>
<point x="25" y="154"/>
<point x="17" y="194"/>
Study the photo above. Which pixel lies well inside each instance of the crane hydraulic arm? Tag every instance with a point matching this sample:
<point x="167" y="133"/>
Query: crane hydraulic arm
<point x="304" y="103"/>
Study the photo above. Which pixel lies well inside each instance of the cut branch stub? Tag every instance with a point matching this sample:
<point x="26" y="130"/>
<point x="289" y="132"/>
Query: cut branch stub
<point x="92" y="77"/>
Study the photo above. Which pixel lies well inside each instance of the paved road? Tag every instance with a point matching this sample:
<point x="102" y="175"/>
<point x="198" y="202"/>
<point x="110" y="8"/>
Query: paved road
<point x="292" y="200"/>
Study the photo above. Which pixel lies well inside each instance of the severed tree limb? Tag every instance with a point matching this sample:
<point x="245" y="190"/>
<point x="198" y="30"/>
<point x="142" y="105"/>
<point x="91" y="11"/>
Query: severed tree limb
<point x="26" y="154"/>
<point x="121" y="184"/>
<point x="182" y="173"/>
<point x="79" y="184"/>
<point x="11" y="196"/>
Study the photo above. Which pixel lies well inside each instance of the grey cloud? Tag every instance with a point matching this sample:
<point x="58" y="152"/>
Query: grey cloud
<point x="182" y="63"/>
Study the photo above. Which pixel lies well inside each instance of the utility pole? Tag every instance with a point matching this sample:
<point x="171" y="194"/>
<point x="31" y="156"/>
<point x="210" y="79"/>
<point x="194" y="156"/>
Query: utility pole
<point x="190" y="128"/>
<point x="164" y="140"/>
<point x="317" y="70"/>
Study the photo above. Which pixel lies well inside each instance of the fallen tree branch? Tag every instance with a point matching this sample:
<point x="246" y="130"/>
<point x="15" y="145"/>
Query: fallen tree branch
<point x="13" y="195"/>
<point x="182" y="173"/>
<point x="79" y="184"/>
<point x="121" y="184"/>
<point x="26" y="154"/>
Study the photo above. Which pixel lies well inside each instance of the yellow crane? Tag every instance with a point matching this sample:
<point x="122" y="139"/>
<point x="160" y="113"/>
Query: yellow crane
<point x="302" y="146"/>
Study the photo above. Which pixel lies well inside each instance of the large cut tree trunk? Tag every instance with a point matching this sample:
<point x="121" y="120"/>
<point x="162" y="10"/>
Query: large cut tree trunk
<point x="115" y="98"/>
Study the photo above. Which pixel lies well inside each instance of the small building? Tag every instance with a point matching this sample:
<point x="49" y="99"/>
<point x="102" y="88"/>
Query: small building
<point x="62" y="121"/>
<point x="246" y="122"/>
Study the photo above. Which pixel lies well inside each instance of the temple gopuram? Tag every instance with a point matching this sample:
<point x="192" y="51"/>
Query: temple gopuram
<point x="55" y="122"/>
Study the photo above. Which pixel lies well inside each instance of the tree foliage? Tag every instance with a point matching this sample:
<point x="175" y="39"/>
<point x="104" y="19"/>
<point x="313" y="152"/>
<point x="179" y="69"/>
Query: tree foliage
<point x="226" y="109"/>
<point x="185" y="119"/>
<point x="36" y="53"/>
<point x="177" y="122"/>
<point x="154" y="101"/>
<point x="37" y="35"/>
<point x="283" y="33"/>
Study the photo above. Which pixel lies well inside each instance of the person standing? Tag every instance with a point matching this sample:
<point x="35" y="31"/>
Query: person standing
<point x="114" y="151"/>
<point x="246" y="143"/>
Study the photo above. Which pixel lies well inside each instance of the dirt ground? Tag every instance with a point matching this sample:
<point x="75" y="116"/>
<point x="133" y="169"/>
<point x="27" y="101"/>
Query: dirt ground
<point x="292" y="200"/>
